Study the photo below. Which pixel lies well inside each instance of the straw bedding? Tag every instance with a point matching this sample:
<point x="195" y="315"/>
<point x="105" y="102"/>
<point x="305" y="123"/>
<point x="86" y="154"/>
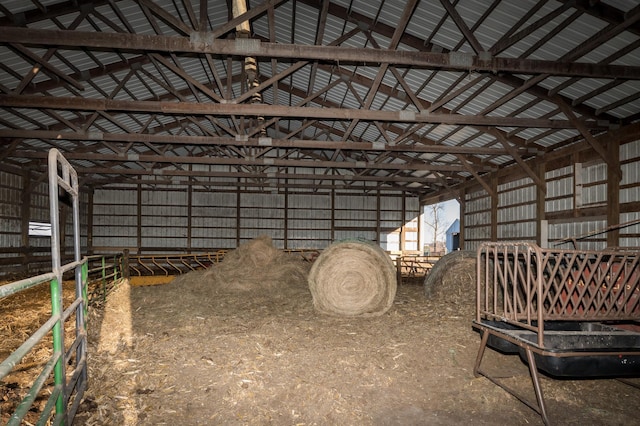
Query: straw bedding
<point x="234" y="357"/>
<point x="353" y="278"/>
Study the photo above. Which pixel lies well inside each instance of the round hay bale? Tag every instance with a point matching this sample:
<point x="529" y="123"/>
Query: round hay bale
<point x="453" y="278"/>
<point x="353" y="278"/>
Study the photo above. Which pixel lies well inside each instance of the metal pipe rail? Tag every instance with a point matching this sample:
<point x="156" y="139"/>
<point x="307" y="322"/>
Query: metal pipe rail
<point x="415" y="266"/>
<point x="104" y="273"/>
<point x="178" y="264"/>
<point x="309" y="255"/>
<point x="171" y="264"/>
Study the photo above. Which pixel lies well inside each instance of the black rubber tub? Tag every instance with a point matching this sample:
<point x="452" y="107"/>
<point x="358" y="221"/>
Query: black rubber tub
<point x="570" y="348"/>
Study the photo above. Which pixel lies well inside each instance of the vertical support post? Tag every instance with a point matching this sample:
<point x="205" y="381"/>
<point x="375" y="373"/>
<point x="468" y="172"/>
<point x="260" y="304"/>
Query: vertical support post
<point x="333" y="214"/>
<point x="189" y="215"/>
<point x="125" y="264"/>
<point x="613" y="192"/>
<point x="139" y="219"/>
<point x="402" y="227"/>
<point x="541" y="223"/>
<point x="494" y="208"/>
<point x="378" y="215"/>
<point x="238" y="224"/>
<point x="25" y="214"/>
<point x="104" y="280"/>
<point x="577" y="187"/>
<point x="463" y="210"/>
<point x="90" y="194"/>
<point x="286" y="216"/>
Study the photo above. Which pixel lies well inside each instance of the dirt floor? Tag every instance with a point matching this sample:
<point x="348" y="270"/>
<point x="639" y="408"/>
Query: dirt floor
<point x="177" y="354"/>
<point x="270" y="359"/>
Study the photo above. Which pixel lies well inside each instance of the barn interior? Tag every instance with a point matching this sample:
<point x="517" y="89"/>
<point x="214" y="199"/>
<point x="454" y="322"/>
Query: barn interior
<point x="145" y="140"/>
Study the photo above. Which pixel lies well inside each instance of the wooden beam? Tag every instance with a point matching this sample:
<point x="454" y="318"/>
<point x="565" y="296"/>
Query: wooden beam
<point x="208" y="43"/>
<point x="540" y="183"/>
<point x="540" y="204"/>
<point x="268" y="162"/>
<point x="146" y="138"/>
<point x="196" y="108"/>
<point x="613" y="194"/>
<point x="462" y="26"/>
<point x="579" y="125"/>
<point x="475" y="174"/>
<point x="494" y="208"/>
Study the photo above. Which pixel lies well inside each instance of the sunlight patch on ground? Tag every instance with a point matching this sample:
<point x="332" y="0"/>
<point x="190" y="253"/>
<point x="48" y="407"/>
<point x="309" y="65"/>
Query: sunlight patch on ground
<point x="116" y="334"/>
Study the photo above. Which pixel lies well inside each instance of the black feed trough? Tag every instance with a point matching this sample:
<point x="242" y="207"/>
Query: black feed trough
<point x="574" y="349"/>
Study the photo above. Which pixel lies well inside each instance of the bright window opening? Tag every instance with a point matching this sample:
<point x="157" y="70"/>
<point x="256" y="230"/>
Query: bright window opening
<point x="39" y="229"/>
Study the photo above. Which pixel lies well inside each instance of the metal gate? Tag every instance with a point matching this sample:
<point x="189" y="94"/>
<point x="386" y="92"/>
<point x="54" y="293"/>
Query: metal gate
<point x="68" y="363"/>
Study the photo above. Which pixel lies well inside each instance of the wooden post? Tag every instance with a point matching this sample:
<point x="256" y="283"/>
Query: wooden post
<point x="540" y="207"/>
<point x="494" y="208"/>
<point x="125" y="263"/>
<point x="613" y="192"/>
<point x="90" y="195"/>
<point x="463" y="208"/>
<point x="25" y="216"/>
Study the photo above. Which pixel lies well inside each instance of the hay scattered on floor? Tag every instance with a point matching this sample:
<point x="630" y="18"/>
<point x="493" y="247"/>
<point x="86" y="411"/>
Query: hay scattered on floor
<point x="353" y="278"/>
<point x="21" y="315"/>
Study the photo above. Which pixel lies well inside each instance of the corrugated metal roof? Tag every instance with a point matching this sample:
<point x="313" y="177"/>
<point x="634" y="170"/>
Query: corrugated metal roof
<point x="429" y="27"/>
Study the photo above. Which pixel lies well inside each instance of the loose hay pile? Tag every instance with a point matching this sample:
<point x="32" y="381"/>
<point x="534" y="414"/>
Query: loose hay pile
<point x="255" y="266"/>
<point x="353" y="278"/>
<point x="452" y="280"/>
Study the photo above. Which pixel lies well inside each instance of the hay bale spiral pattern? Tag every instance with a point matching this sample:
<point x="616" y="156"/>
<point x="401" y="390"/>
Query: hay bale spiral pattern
<point x="353" y="278"/>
